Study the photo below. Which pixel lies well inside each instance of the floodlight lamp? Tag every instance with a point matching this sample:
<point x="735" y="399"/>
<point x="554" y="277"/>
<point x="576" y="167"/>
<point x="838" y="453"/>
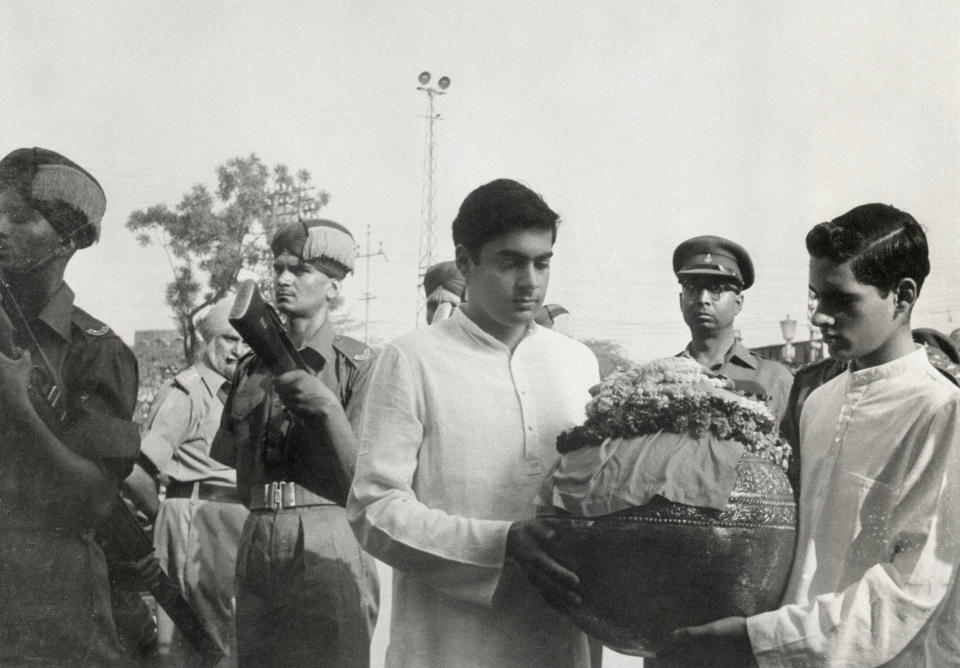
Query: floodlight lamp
<point x="424" y="78"/>
<point x="444" y="83"/>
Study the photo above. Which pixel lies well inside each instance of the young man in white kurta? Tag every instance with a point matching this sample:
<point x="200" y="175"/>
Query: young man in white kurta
<point x="879" y="524"/>
<point x="459" y="428"/>
<point x="879" y="538"/>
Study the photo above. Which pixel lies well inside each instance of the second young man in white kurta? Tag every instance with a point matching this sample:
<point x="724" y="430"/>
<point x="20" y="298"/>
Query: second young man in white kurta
<point x="459" y="428"/>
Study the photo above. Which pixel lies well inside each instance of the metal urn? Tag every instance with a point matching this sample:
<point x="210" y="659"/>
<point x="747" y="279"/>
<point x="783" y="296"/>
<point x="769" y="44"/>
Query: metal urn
<point x="656" y="567"/>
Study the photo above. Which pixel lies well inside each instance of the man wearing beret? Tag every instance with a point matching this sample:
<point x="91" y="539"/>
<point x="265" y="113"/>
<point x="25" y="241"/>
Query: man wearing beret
<point x="64" y="453"/>
<point x="197" y="529"/>
<point x="713" y="273"/>
<point x="307" y="595"/>
<point x="444" y="287"/>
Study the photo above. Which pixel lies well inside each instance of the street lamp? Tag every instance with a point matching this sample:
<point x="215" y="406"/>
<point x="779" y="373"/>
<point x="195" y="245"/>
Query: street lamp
<point x="788" y="328"/>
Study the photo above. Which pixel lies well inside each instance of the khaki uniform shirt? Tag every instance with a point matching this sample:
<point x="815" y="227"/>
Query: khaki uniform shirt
<point x="182" y="423"/>
<point x="741" y="364"/>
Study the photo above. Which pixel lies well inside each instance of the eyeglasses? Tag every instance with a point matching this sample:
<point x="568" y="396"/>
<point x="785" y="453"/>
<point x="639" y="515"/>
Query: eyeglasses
<point x="692" y="290"/>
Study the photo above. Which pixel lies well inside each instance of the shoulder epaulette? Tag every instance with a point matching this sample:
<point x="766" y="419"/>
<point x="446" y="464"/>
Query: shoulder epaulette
<point x="352" y="349"/>
<point x="90" y="326"/>
<point x="186" y="378"/>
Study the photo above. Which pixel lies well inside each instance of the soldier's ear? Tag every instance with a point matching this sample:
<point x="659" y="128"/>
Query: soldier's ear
<point x="333" y="288"/>
<point x="67" y="247"/>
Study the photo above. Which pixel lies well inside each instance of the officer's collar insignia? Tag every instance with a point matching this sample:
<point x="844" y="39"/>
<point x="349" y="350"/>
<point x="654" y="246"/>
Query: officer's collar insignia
<point x="98" y="332"/>
<point x="360" y="357"/>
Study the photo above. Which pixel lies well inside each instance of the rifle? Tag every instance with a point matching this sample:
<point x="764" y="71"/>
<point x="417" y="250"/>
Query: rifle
<point x="121" y="534"/>
<point x="260" y="326"/>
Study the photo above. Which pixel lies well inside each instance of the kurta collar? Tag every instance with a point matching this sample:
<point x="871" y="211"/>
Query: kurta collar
<point x="474" y="331"/>
<point x="58" y="312"/>
<point x="915" y="361"/>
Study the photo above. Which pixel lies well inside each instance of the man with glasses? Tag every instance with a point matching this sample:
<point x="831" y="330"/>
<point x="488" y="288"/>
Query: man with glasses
<point x="713" y="273"/>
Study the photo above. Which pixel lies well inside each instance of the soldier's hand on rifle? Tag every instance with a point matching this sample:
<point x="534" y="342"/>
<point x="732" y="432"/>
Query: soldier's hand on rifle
<point x="15" y="381"/>
<point x="135" y="575"/>
<point x="305" y="395"/>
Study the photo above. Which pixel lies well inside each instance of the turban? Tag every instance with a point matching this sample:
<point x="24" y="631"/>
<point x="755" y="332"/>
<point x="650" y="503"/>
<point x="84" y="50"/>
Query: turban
<point x="58" y="189"/>
<point x="445" y="275"/>
<point x="324" y="243"/>
<point x="214" y="322"/>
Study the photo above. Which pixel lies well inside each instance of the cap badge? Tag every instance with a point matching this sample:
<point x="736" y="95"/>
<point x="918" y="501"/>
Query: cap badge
<point x="708" y="259"/>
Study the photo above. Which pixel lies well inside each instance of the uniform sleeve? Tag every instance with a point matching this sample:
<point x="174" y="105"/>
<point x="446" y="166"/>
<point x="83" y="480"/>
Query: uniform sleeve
<point x="358" y="394"/>
<point x="169" y="425"/>
<point x="224" y="447"/>
<point x="460" y="556"/>
<point x="877" y="617"/>
<point x="779" y="381"/>
<point x="102" y="380"/>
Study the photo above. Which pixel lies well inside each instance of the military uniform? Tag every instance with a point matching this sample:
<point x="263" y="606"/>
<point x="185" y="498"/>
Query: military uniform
<point x="306" y="593"/>
<point x="198" y="527"/>
<point x="54" y="590"/>
<point x="739" y="364"/>
<point x="710" y="258"/>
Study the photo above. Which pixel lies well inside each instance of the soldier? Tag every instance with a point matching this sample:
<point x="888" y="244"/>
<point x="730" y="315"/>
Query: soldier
<point x="444" y="287"/>
<point x="61" y="467"/>
<point x="713" y="273"/>
<point x="306" y="592"/>
<point x="198" y="526"/>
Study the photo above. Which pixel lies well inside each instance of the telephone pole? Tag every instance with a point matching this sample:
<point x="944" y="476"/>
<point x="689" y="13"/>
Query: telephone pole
<point x="367" y="295"/>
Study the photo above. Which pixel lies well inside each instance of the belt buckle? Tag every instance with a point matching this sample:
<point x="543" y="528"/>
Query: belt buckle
<point x="280" y="495"/>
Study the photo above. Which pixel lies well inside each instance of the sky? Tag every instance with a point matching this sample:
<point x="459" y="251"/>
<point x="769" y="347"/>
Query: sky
<point x="641" y="123"/>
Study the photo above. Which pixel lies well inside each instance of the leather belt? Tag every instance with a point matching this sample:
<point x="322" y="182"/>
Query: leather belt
<point x="282" y="495"/>
<point x="205" y="491"/>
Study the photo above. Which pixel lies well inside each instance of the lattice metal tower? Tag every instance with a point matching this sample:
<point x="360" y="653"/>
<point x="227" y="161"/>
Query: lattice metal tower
<point x="428" y="216"/>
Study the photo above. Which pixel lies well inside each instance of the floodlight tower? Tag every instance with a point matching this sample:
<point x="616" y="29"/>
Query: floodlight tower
<point x="428" y="215"/>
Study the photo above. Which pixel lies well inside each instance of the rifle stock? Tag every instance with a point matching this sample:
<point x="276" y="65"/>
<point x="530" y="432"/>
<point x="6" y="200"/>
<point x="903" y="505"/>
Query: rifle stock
<point x="260" y="326"/>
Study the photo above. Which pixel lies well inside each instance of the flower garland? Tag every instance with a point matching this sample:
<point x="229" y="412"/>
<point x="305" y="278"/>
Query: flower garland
<point x="676" y="395"/>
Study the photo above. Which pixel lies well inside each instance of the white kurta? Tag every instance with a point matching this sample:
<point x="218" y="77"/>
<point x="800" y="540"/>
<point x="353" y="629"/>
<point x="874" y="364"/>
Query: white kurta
<point x="455" y="439"/>
<point x="879" y="537"/>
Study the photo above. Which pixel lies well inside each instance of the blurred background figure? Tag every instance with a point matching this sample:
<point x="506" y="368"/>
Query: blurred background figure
<point x="555" y="317"/>
<point x="197" y="524"/>
<point x="444" y="287"/>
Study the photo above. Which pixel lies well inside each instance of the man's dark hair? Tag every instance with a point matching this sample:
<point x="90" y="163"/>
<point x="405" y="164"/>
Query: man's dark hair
<point x="883" y="245"/>
<point x="497" y="208"/>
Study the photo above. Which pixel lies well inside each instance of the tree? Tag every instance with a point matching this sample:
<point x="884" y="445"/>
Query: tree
<point x="209" y="239"/>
